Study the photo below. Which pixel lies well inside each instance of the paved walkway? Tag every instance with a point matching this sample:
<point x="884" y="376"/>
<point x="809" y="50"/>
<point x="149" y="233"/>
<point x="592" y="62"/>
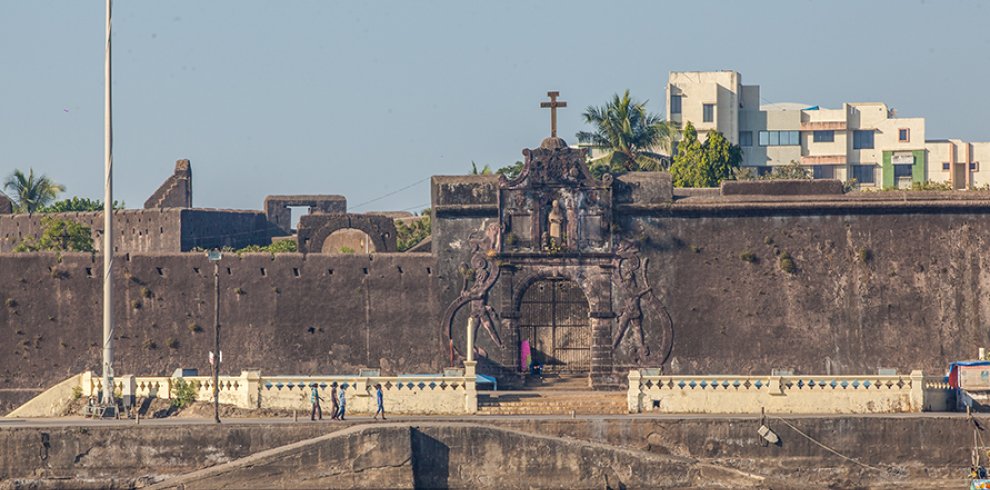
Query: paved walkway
<point x="352" y="420"/>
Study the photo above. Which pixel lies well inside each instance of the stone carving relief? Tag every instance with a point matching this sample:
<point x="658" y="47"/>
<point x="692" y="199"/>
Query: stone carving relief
<point x="474" y="293"/>
<point x="555" y="205"/>
<point x="637" y="293"/>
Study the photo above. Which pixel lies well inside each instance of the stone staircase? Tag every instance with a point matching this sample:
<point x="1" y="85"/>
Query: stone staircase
<point x="557" y="402"/>
<point x="553" y="395"/>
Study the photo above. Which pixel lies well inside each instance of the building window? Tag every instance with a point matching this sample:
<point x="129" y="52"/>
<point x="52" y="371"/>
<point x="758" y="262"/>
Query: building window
<point x="823" y="171"/>
<point x="708" y="113"/>
<point x="745" y="138"/>
<point x="675" y="104"/>
<point x="863" y="139"/>
<point x="823" y="136"/>
<point x="902" y="170"/>
<point x="864" y="174"/>
<point x="975" y="166"/>
<point x="946" y="166"/>
<point x="780" y="138"/>
<point x="904" y="135"/>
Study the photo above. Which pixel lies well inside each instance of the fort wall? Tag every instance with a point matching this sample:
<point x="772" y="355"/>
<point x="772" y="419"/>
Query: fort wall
<point x="287" y="313"/>
<point x="166" y="230"/>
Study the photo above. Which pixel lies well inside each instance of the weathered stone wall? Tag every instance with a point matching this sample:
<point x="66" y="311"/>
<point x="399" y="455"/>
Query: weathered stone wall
<point x="287" y="314"/>
<point x="909" y="452"/>
<point x="176" y="191"/>
<point x="894" y="280"/>
<point x="893" y="286"/>
<point x="136" y="230"/>
<point x="218" y="228"/>
<point x="152" y="230"/>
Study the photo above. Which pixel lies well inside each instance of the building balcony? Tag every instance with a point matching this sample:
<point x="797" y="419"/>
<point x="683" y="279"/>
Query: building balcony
<point x="823" y="126"/>
<point x="824" y="160"/>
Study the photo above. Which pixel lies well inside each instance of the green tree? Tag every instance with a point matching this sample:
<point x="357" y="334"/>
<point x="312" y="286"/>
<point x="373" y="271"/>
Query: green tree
<point x="791" y="171"/>
<point x="77" y="204"/>
<point x="628" y="136"/>
<point x="511" y="171"/>
<point x="276" y="247"/>
<point x="411" y="233"/>
<point x="704" y="164"/>
<point x="486" y="170"/>
<point x="30" y="193"/>
<point x="59" y="235"/>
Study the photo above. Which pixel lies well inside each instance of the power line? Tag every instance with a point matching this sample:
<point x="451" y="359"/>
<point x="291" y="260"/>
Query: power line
<point x="379" y="198"/>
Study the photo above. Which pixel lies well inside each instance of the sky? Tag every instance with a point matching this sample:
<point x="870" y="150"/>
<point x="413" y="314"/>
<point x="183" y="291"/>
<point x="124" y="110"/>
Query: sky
<point x="369" y="99"/>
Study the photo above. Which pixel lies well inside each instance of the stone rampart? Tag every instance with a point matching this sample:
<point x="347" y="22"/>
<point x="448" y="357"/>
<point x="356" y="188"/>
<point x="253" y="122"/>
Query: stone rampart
<point x="165" y="230"/>
<point x="288" y="313"/>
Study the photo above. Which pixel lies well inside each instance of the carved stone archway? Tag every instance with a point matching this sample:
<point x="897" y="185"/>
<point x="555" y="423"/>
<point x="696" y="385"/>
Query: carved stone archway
<point x="315" y="228"/>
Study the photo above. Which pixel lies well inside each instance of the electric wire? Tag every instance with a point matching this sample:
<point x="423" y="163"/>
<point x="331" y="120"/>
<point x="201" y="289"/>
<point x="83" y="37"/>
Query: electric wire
<point x="833" y="451"/>
<point x="379" y="198"/>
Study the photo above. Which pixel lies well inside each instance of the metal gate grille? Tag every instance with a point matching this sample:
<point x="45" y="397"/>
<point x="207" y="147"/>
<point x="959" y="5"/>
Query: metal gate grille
<point x="554" y="318"/>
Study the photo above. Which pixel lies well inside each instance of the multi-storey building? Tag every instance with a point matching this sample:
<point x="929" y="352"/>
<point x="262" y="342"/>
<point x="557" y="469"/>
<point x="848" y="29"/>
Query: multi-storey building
<point x="862" y="141"/>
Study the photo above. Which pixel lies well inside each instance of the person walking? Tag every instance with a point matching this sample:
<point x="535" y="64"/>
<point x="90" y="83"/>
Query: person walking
<point x="342" y="400"/>
<point x="314" y="400"/>
<point x="335" y="408"/>
<point x="381" y="404"/>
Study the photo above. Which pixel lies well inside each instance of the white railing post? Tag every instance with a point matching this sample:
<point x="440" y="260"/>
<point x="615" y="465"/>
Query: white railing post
<point x="917" y="391"/>
<point x="252" y="388"/>
<point x="470" y="387"/>
<point x="634" y="396"/>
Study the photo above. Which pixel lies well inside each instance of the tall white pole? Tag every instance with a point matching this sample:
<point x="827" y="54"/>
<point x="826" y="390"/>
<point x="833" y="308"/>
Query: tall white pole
<point x="107" y="226"/>
<point x="470" y="339"/>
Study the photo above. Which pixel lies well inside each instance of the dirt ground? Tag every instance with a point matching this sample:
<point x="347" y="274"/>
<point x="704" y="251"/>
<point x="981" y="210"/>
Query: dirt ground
<point x="159" y="408"/>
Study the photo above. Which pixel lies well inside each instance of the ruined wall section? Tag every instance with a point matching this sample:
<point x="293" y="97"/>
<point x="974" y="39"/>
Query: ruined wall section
<point x="136" y="230"/>
<point x="218" y="228"/>
<point x="894" y="285"/>
<point x="176" y="191"/>
<point x="151" y="230"/>
<point x="287" y="314"/>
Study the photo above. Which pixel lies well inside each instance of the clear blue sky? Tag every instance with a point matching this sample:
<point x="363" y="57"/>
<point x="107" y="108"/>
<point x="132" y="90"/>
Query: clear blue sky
<point x="363" y="98"/>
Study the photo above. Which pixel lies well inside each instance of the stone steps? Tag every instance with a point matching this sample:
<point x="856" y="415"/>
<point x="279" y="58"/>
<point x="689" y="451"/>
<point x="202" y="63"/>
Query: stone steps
<point x="552" y="403"/>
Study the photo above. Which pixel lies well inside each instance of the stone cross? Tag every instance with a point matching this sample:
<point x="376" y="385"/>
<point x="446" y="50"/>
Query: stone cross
<point x="553" y="105"/>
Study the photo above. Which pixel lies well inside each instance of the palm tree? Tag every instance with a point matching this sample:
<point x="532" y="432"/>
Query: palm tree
<point x="31" y="193"/>
<point x="628" y="135"/>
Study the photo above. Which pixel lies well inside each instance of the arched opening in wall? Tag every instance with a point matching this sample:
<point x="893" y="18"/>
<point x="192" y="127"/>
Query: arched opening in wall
<point x="554" y="319"/>
<point x="348" y="241"/>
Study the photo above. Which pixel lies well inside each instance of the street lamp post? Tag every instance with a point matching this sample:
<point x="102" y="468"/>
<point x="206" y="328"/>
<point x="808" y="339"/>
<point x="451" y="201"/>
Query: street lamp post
<point x="215" y="256"/>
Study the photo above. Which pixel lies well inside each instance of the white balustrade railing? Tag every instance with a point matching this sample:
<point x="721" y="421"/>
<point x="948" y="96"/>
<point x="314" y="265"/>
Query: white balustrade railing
<point x="785" y="394"/>
<point x="412" y="394"/>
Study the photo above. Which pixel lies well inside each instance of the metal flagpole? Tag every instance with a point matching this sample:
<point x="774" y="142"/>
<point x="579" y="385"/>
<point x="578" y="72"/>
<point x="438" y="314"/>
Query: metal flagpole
<point x="107" y="227"/>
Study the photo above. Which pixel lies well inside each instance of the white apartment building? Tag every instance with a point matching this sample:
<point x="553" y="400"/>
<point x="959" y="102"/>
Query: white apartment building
<point x="862" y="141"/>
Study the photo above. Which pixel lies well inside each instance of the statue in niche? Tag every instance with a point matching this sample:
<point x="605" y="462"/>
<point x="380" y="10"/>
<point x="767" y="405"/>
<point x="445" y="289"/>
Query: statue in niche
<point x="572" y="222"/>
<point x="556" y="224"/>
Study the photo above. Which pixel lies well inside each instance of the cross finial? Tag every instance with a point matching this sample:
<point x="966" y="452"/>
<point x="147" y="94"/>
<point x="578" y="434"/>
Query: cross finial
<point x="553" y="105"/>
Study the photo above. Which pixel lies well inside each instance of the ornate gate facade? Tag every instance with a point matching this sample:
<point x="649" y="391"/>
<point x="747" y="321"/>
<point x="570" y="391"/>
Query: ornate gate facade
<point x="553" y="317"/>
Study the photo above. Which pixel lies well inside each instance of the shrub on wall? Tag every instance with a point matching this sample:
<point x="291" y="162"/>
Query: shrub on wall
<point x="183" y="393"/>
<point x="59" y="235"/>
<point x="787" y="263"/>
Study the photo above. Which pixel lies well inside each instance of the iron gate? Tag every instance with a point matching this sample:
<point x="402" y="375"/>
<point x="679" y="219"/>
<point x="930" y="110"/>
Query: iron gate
<point x="554" y="318"/>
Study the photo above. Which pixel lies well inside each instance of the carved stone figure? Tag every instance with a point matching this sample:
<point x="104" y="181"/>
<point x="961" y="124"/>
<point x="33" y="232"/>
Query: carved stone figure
<point x="635" y="287"/>
<point x="475" y="294"/>
<point x="556" y="223"/>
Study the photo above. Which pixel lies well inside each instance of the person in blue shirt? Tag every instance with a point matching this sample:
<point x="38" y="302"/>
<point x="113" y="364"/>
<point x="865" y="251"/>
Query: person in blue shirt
<point x="314" y="400"/>
<point x="381" y="404"/>
<point x="342" y="401"/>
